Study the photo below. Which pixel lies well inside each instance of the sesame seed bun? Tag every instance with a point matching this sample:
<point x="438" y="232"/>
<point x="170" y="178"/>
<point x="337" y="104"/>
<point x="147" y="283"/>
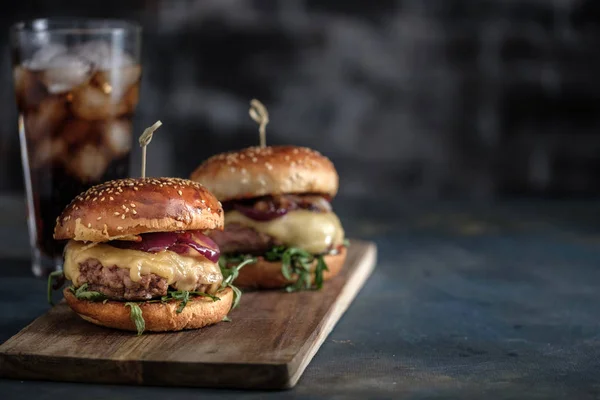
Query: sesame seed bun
<point x="267" y="275"/>
<point x="272" y="170"/>
<point x="159" y="317"/>
<point x="125" y="208"/>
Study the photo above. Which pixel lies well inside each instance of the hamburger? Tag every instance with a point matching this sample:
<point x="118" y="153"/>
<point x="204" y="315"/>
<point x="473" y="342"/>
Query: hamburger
<point x="278" y="215"/>
<point x="138" y="257"/>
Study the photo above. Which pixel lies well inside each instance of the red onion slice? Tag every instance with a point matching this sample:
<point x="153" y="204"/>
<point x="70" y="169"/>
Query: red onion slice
<point x="184" y="243"/>
<point x="260" y="215"/>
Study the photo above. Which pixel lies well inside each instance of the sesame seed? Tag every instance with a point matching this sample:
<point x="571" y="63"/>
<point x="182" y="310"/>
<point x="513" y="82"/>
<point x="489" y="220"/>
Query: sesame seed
<point x="295" y="151"/>
<point x="232" y="169"/>
<point x="134" y="212"/>
<point x="244" y="171"/>
<point x="287" y="158"/>
<point x="123" y="216"/>
<point x="102" y="199"/>
<point x="98" y="219"/>
<point x="119" y="228"/>
<point x="132" y="205"/>
<point x="89" y="225"/>
<point x="254" y="159"/>
<point x="94" y="199"/>
<point x="203" y="201"/>
<point x="117" y="213"/>
<point x="111" y="198"/>
<point x="87" y="197"/>
<point x="66" y="218"/>
<point x="134" y="188"/>
<point x="269" y="166"/>
<point x="76" y="208"/>
<point x="124" y="207"/>
<point x="180" y="192"/>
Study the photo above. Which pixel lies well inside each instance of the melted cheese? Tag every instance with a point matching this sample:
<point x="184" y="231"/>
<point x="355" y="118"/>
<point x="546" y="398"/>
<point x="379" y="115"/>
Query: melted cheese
<point x="181" y="272"/>
<point x="308" y="230"/>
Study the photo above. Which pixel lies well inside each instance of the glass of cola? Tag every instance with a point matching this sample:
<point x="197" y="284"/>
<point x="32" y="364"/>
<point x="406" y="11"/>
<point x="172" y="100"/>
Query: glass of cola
<point x="77" y="87"/>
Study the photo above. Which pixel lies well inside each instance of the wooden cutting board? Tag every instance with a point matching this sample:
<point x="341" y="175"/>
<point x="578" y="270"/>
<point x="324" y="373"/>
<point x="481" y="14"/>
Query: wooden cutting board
<point x="270" y="341"/>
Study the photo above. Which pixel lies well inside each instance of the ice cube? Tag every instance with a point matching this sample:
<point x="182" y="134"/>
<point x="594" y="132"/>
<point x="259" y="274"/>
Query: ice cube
<point x="117" y="137"/>
<point x="88" y="163"/>
<point x="91" y="103"/>
<point x="77" y="131"/>
<point x="103" y="56"/>
<point x="65" y="72"/>
<point x="45" y="121"/>
<point x="47" y="151"/>
<point x="42" y="57"/>
<point x="117" y="81"/>
<point x="29" y="89"/>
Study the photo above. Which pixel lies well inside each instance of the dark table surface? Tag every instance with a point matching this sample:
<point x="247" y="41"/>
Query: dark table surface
<point x="498" y="300"/>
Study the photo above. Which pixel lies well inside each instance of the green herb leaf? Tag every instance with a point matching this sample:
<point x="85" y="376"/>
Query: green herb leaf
<point x="346" y="243"/>
<point x="230" y="274"/>
<point x="184" y="296"/>
<point x="202" y="294"/>
<point x="83" y="294"/>
<point x="298" y="262"/>
<point x="51" y="277"/>
<point x="319" y="270"/>
<point x="286" y="266"/>
<point x="237" y="296"/>
<point x="226" y="319"/>
<point x="184" y="300"/>
<point x="136" y="316"/>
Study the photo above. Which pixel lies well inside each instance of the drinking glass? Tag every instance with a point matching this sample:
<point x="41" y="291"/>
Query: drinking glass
<point x="77" y="86"/>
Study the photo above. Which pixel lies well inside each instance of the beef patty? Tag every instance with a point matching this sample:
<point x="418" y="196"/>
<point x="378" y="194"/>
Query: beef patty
<point x="237" y="238"/>
<point x="115" y="283"/>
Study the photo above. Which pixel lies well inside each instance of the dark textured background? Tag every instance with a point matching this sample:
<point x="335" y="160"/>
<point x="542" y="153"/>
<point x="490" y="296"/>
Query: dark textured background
<point x="427" y="98"/>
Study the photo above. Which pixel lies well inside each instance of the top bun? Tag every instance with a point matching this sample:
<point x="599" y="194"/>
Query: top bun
<point x="272" y="170"/>
<point x="125" y="208"/>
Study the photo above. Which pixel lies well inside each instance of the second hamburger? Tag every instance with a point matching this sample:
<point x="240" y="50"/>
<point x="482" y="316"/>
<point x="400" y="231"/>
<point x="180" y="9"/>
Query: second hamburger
<point x="277" y="211"/>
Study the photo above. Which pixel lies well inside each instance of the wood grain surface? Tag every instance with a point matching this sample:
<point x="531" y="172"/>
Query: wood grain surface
<point x="270" y="341"/>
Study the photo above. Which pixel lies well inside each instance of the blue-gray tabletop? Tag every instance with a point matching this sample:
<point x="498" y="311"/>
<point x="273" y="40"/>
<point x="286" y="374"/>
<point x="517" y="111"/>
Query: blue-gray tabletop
<point x="497" y="300"/>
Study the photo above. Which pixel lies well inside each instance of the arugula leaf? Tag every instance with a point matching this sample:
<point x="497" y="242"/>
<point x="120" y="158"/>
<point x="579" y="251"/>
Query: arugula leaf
<point x="83" y="294"/>
<point x="136" y="316"/>
<point x="230" y="274"/>
<point x="202" y="294"/>
<point x="346" y="243"/>
<point x="226" y="319"/>
<point x="237" y="296"/>
<point x="298" y="262"/>
<point x="184" y="296"/>
<point x="319" y="270"/>
<point x="57" y="275"/>
<point x="275" y="253"/>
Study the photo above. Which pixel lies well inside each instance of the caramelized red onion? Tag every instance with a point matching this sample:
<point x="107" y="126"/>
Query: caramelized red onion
<point x="271" y="207"/>
<point x="185" y="243"/>
<point x="261" y="215"/>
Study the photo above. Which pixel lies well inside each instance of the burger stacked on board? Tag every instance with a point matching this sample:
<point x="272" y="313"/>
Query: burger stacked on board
<point x="278" y="215"/>
<point x="138" y="257"/>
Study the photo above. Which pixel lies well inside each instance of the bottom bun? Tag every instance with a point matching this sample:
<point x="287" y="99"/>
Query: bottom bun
<point x="159" y="317"/>
<point x="267" y="275"/>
